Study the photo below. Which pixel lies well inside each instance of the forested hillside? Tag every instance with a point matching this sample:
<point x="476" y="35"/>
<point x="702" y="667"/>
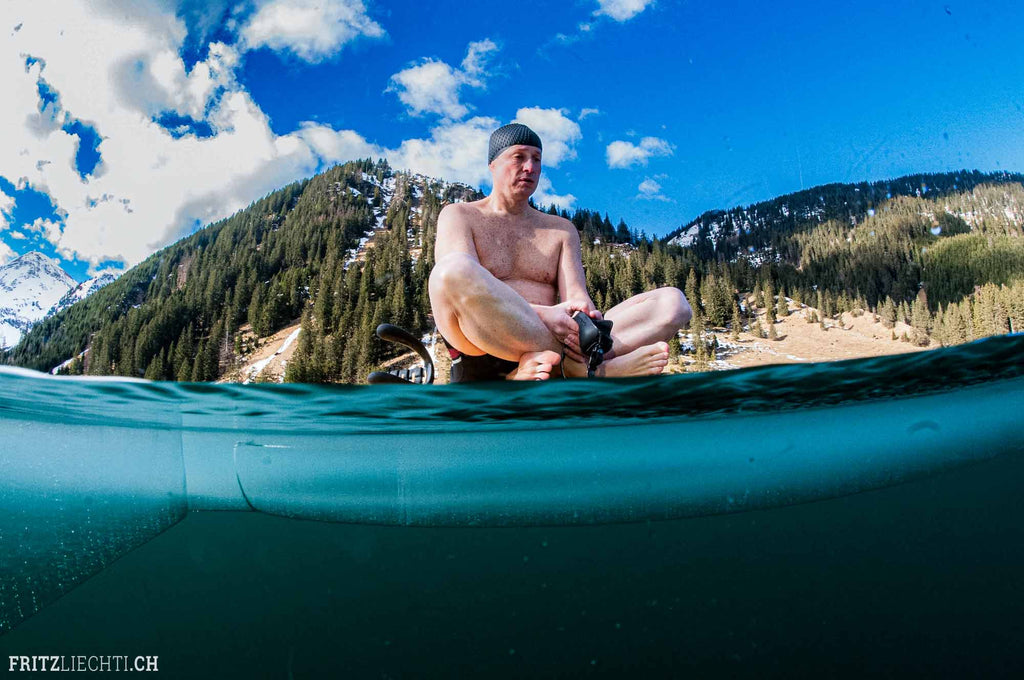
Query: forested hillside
<point x="353" y="247"/>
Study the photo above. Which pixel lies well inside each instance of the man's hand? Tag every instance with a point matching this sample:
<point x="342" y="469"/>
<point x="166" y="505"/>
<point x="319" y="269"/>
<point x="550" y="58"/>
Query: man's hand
<point x="559" y="321"/>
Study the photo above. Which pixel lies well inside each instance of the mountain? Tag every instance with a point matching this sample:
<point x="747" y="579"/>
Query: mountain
<point x="29" y="287"/>
<point x="343" y="251"/>
<point x="81" y="291"/>
<point x="725" y="234"/>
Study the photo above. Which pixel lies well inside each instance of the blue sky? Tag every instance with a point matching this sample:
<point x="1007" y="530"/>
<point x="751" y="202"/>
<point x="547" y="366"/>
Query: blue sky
<point x="128" y="125"/>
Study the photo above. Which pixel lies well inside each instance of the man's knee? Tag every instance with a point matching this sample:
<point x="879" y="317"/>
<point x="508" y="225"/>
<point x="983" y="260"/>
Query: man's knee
<point x="675" y="307"/>
<point x="452" y="274"/>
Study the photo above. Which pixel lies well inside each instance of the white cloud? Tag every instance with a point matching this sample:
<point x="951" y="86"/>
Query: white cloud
<point x="557" y="133"/>
<point x="430" y="87"/>
<point x="622" y="10"/>
<point x="150" y="187"/>
<point x="337" y="145"/>
<point x="6" y="255"/>
<point x="433" y="86"/>
<point x="312" y="30"/>
<point x="650" y="190"/>
<point x="456" y="151"/>
<point x="474" y="66"/>
<point x="622" y="154"/>
<point x="6" y="208"/>
<point x="545" y="196"/>
<point x="49" y="229"/>
<point x="585" y="113"/>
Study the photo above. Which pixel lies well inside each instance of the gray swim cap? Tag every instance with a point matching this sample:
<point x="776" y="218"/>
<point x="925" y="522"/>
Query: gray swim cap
<point x="510" y="135"/>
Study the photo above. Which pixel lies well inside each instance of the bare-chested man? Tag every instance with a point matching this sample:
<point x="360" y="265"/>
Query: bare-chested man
<point x="508" y="278"/>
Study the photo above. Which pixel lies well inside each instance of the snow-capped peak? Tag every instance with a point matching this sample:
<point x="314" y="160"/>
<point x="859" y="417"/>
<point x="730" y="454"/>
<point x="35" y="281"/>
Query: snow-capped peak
<point x="80" y="292"/>
<point x="29" y="286"/>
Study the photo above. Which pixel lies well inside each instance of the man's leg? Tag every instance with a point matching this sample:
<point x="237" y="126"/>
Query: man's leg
<point x="642" y="327"/>
<point x="654" y="316"/>
<point x="478" y="314"/>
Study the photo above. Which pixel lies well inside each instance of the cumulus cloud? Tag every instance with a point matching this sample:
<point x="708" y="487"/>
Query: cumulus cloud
<point x="558" y="133"/>
<point x="433" y="86"/>
<point x="152" y="187"/>
<point x="430" y="87"/>
<point x="149" y="187"/>
<point x="585" y="113"/>
<point x="48" y="229"/>
<point x="6" y="255"/>
<point x="157" y="82"/>
<point x="622" y="154"/>
<point x="621" y="10"/>
<point x="312" y="30"/>
<point x="6" y="208"/>
<point x="545" y="196"/>
<point x="650" y="190"/>
<point x="478" y="57"/>
<point x="455" y="151"/>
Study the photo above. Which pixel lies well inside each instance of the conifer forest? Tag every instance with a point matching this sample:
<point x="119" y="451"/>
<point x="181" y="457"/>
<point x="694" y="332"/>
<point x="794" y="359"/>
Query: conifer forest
<point x="352" y="247"/>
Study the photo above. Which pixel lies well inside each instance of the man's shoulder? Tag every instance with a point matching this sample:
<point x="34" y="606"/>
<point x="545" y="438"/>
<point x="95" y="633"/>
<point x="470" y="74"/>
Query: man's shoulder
<point x="460" y="208"/>
<point x="458" y="216"/>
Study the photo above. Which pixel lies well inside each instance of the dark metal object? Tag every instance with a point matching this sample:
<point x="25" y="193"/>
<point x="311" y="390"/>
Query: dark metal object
<point x="392" y="333"/>
<point x="595" y="339"/>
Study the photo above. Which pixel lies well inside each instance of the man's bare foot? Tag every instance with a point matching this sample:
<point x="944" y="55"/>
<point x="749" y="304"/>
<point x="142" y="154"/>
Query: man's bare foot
<point x="646" y="360"/>
<point x="535" y="366"/>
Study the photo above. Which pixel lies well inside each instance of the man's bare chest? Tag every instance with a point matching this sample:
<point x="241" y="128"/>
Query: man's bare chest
<point x="519" y="254"/>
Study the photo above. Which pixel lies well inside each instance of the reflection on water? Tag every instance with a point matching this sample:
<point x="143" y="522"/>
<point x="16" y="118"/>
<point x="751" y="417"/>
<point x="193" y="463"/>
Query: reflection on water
<point x="387" y="409"/>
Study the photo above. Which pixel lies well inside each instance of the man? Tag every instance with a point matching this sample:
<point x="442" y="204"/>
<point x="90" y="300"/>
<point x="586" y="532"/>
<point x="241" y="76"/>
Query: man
<point x="507" y="279"/>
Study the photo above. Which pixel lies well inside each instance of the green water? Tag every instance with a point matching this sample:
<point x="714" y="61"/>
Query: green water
<point x="838" y="519"/>
<point x="921" y="580"/>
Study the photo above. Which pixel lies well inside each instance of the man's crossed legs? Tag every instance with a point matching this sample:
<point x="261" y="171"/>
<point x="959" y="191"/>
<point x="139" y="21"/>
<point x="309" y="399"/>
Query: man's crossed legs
<point x="478" y="314"/>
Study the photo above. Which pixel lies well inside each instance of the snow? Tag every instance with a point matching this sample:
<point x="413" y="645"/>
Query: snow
<point x="81" y="291"/>
<point x="686" y="238"/>
<point x="60" y="367"/>
<point x="29" y="287"/>
<point x="258" y="367"/>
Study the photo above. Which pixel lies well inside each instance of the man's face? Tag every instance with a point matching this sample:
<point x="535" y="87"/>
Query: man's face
<point x="517" y="167"/>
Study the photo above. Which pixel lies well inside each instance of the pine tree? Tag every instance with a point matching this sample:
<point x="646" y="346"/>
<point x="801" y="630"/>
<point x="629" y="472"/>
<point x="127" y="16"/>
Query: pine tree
<point x="887" y="312"/>
<point x="783" y="307"/>
<point x="155" y="370"/>
<point x="715" y="301"/>
<point x="674" y="349"/>
<point x="700" y="350"/>
<point x="904" y="314"/>
<point x="298" y="369"/>
<point x="920" y="319"/>
<point x="691" y="291"/>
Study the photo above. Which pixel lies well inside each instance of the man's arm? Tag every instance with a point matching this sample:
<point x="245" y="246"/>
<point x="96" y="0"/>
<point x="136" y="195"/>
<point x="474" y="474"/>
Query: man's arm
<point x="454" y="234"/>
<point x="572" y="281"/>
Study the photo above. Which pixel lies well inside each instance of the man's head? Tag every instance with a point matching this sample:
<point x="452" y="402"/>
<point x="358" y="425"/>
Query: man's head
<point x="512" y="134"/>
<point x="514" y="159"/>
